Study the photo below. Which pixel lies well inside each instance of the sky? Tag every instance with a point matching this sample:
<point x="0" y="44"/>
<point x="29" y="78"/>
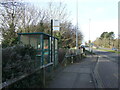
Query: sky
<point x="94" y="16"/>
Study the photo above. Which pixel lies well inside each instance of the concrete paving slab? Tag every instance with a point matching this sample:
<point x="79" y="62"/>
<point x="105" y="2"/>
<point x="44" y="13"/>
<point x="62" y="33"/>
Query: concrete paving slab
<point x="77" y="75"/>
<point x="65" y="80"/>
<point x="83" y="81"/>
<point x="78" y="70"/>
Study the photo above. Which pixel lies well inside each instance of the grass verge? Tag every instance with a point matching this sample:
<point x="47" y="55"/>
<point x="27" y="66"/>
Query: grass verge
<point x="109" y="51"/>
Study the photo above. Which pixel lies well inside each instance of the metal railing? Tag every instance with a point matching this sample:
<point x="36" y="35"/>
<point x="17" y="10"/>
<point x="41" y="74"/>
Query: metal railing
<point x="72" y="55"/>
<point x="11" y="82"/>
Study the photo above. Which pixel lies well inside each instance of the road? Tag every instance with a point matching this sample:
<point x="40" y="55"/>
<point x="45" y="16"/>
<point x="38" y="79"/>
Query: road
<point x="112" y="56"/>
<point x="108" y="68"/>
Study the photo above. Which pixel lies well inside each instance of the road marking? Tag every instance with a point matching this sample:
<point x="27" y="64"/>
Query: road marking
<point x="97" y="76"/>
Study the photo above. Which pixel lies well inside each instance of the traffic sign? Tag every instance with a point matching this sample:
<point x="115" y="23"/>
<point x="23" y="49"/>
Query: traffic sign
<point x="56" y="25"/>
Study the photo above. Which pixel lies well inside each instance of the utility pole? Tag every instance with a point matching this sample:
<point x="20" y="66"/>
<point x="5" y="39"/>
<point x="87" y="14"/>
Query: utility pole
<point x="77" y="25"/>
<point x="89" y="36"/>
<point x="59" y="11"/>
<point x="24" y="16"/>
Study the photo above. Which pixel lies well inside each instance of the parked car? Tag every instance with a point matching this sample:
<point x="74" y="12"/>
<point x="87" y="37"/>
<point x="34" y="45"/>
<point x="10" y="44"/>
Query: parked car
<point x="115" y="49"/>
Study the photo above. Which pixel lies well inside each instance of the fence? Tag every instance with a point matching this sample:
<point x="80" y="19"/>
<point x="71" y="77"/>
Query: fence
<point x="42" y="71"/>
<point x="72" y="55"/>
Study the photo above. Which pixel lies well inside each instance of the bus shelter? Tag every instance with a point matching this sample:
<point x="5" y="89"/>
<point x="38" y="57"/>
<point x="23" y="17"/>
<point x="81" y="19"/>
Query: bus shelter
<point x="42" y="43"/>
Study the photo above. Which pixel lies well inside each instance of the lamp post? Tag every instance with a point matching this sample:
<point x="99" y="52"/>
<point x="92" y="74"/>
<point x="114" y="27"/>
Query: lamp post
<point x="89" y="36"/>
<point x="77" y="25"/>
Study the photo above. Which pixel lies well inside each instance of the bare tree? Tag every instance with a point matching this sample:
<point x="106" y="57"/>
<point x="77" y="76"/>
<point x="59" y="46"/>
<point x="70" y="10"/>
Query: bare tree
<point x="23" y="17"/>
<point x="57" y="10"/>
<point x="11" y="12"/>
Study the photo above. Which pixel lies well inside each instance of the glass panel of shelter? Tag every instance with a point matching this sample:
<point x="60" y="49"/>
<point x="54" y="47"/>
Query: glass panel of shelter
<point x="53" y="50"/>
<point x="42" y="44"/>
<point x="46" y="49"/>
<point x="34" y="41"/>
<point x="56" y="52"/>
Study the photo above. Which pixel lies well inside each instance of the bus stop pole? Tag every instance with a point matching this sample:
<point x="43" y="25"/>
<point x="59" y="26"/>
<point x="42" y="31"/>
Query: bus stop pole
<point x="51" y="36"/>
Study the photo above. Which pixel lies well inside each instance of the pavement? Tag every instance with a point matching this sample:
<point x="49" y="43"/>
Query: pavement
<point x="76" y="75"/>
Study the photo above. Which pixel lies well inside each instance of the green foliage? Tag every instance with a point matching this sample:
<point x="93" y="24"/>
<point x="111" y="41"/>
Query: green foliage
<point x="107" y="35"/>
<point x="17" y="60"/>
<point x="104" y="35"/>
<point x="9" y="42"/>
<point x="61" y="54"/>
<point x="106" y="40"/>
<point x="32" y="81"/>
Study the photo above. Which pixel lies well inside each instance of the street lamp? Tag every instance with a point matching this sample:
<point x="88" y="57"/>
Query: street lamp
<point x="89" y="36"/>
<point x="77" y="25"/>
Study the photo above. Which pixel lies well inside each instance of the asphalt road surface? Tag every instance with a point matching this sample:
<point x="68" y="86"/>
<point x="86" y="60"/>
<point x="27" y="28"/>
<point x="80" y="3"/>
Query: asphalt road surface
<point x="108" y="68"/>
<point x="112" y="56"/>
